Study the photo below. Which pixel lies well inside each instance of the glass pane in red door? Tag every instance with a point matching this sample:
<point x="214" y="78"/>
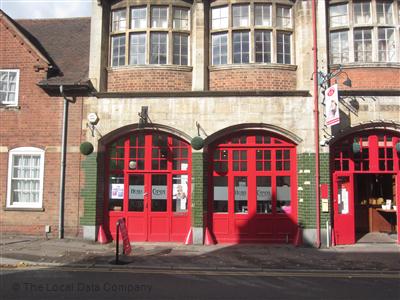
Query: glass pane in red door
<point x="159" y="193"/>
<point x="343" y="195"/>
<point x="241" y="194"/>
<point x="264" y="195"/>
<point x="220" y="203"/>
<point x="283" y="195"/>
<point x="179" y="193"/>
<point x="136" y="192"/>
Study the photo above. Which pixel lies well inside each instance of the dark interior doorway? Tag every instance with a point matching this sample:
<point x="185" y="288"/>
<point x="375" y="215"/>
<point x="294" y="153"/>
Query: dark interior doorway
<point x="375" y="207"/>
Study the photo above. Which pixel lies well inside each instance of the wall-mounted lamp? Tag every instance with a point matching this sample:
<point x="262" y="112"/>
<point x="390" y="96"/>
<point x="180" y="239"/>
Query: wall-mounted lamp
<point x="324" y="78"/>
<point x="93" y="120"/>
<point x="144" y="116"/>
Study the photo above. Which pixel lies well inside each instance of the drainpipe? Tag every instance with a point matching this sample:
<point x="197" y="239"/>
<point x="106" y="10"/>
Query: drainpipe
<point x="316" y="123"/>
<point x="63" y="162"/>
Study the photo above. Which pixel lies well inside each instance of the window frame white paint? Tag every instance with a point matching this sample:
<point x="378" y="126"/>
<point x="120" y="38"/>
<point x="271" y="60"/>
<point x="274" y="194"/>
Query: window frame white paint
<point x="217" y="25"/>
<point x="25" y="151"/>
<point x="341" y="47"/>
<point x="116" y="20"/>
<point x="333" y="18"/>
<point x="7" y="92"/>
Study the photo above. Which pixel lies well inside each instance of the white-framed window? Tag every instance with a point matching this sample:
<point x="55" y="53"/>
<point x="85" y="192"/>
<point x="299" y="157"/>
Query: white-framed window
<point x="118" y="20"/>
<point x="181" y="18"/>
<point x="25" y="178"/>
<point x="219" y="17"/>
<point x="158" y="48"/>
<point x="240" y="15"/>
<point x="118" y="50"/>
<point x="338" y="15"/>
<point x="241" y="47"/>
<point x="283" y="16"/>
<point x="262" y="14"/>
<point x="181" y="49"/>
<point x="386" y="45"/>
<point x="362" y="45"/>
<point x="384" y="12"/>
<point x="220" y="49"/>
<point x="9" y="87"/>
<point x="339" y="47"/>
<point x="159" y="17"/>
<point x="137" y="49"/>
<point x="362" y="12"/>
<point x="138" y="17"/>
<point x="283" y="47"/>
<point x="263" y="46"/>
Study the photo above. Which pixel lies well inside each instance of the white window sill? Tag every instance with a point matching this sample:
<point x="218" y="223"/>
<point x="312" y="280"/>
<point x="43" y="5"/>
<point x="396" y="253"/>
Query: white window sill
<point x="274" y="66"/>
<point x="28" y="209"/>
<point x="366" y="65"/>
<point x="9" y="107"/>
<point x="151" y="67"/>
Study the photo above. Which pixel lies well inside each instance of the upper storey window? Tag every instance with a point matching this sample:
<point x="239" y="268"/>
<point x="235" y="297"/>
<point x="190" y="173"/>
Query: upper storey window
<point x="362" y="12"/>
<point x="364" y="31"/>
<point x="338" y="15"/>
<point x="155" y="35"/>
<point x="9" y="83"/>
<point x="119" y="20"/>
<point x="219" y="17"/>
<point x="253" y="32"/>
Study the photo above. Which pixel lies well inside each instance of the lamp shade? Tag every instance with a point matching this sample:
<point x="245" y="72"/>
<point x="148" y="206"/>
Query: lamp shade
<point x="86" y="148"/>
<point x="197" y="143"/>
<point x="356" y="148"/>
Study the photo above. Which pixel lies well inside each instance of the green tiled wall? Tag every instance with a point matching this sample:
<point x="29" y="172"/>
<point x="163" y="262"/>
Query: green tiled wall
<point x="306" y="188"/>
<point x="89" y="191"/>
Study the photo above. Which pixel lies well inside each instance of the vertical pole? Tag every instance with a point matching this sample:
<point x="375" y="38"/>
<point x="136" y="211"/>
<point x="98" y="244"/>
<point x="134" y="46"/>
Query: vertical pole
<point x="62" y="172"/>
<point x="316" y="124"/>
<point x="117" y="245"/>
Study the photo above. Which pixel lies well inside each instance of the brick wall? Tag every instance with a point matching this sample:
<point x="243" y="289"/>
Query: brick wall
<point x="371" y="78"/>
<point x="37" y="122"/>
<point x="252" y="79"/>
<point x="148" y="79"/>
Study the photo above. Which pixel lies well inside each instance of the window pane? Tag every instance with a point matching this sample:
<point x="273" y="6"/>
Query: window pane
<point x="119" y="20"/>
<point x="118" y="50"/>
<point x="241" y="47"/>
<point x="283" y="195"/>
<point x="241" y="195"/>
<point x="159" y="17"/>
<point x="386" y="45"/>
<point x="180" y="49"/>
<point x="139" y="17"/>
<point x="339" y="47"/>
<point x="263" y="46"/>
<point x="219" y="17"/>
<point x="264" y="195"/>
<point x="362" y="45"/>
<point x="384" y="12"/>
<point x="159" y="193"/>
<point x="338" y="15"/>
<point x="362" y="12"/>
<point x="219" y="48"/>
<point x="181" y="18"/>
<point x="136" y="192"/>
<point x="240" y="15"/>
<point x="137" y="49"/>
<point x="283" y="16"/>
<point x="262" y="14"/>
<point x="283" y="48"/>
<point x="158" y="48"/>
<point x="220" y="203"/>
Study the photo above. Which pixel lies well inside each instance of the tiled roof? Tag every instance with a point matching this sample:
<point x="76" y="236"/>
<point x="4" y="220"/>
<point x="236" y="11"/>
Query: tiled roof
<point x="66" y="43"/>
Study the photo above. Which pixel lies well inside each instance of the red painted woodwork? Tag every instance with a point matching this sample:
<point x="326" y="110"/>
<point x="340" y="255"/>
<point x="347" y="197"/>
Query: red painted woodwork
<point x="377" y="155"/>
<point x="147" y="167"/>
<point x="251" y="175"/>
<point x="344" y="209"/>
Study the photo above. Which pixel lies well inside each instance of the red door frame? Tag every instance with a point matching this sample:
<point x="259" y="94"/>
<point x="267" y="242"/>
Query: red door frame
<point x="234" y="227"/>
<point x="174" y="225"/>
<point x="366" y="139"/>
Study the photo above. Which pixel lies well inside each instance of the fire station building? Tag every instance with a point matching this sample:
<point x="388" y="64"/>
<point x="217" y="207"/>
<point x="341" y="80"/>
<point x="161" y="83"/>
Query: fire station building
<point x="218" y="120"/>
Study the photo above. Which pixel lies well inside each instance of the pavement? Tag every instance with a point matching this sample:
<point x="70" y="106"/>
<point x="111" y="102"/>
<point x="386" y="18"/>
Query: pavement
<point x="18" y="251"/>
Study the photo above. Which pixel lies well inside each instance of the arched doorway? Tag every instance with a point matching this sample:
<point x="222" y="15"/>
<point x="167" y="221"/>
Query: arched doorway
<point x="365" y="178"/>
<point x="148" y="176"/>
<point x="254" y="188"/>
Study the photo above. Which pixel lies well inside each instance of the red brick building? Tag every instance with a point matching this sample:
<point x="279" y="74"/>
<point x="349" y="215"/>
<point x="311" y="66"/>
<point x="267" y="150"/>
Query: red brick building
<point x="36" y="58"/>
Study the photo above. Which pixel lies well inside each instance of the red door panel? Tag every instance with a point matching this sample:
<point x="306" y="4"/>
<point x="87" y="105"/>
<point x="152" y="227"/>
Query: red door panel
<point x="344" y="210"/>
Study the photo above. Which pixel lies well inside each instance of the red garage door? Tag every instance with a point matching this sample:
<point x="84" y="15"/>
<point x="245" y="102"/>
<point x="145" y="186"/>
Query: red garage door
<point x="148" y="179"/>
<point x="253" y="189"/>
